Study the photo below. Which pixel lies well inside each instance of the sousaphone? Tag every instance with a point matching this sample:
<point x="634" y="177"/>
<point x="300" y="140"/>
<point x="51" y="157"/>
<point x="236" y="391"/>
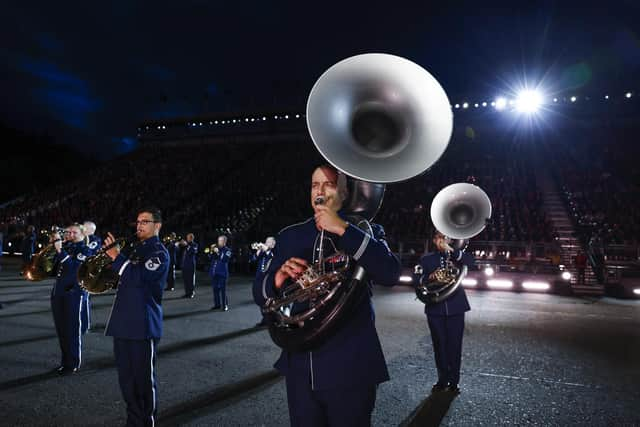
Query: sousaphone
<point x="459" y="211"/>
<point x="378" y="119"/>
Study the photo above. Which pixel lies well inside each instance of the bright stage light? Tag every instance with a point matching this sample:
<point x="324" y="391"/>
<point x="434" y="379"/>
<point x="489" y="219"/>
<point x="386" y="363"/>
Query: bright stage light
<point x="469" y="283"/>
<point x="465" y="105"/>
<point x="457" y="106"/>
<point x="484" y="104"/>
<point x="406" y="279"/>
<point x="636" y="291"/>
<point x="574" y="99"/>
<point x="536" y="286"/>
<point x="566" y="275"/>
<point x="529" y="101"/>
<point x="489" y="271"/>
<point x="501" y="103"/>
<point x="627" y="95"/>
<point x="606" y="97"/>
<point x="499" y="284"/>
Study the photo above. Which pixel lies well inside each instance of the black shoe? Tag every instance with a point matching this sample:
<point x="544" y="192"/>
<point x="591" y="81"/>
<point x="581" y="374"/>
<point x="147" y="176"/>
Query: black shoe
<point x="226" y="308"/>
<point x="452" y="388"/>
<point x="64" y="371"/>
<point x="216" y="307"/>
<point x="438" y="387"/>
<point x="193" y="295"/>
<point x="170" y="289"/>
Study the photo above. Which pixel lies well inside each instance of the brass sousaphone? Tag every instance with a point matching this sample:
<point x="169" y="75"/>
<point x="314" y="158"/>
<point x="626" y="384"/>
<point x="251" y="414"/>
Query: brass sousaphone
<point x="459" y="211"/>
<point x="378" y="119"/>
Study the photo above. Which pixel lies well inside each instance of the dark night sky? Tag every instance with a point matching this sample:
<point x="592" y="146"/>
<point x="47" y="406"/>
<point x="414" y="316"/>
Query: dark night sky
<point x="88" y="73"/>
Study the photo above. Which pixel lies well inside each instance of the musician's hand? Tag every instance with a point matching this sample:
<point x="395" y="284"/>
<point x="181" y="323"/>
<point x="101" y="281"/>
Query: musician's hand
<point x="328" y="220"/>
<point x="57" y="244"/>
<point x="291" y="269"/>
<point x="114" y="251"/>
<point x="432" y="276"/>
<point x="216" y="250"/>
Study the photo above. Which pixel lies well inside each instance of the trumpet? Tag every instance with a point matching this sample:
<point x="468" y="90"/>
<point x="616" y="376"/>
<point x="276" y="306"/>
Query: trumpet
<point x="258" y="246"/>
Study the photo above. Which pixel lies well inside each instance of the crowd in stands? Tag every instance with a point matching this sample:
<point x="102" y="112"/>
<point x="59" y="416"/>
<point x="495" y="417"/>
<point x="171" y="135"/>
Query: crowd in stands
<point x="601" y="185"/>
<point x="251" y="190"/>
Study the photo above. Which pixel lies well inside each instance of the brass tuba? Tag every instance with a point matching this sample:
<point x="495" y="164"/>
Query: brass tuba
<point x="95" y="275"/>
<point x="459" y="211"/>
<point x="378" y="119"/>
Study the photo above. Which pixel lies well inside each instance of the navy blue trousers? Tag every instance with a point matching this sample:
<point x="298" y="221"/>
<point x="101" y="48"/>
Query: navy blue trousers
<point x="219" y="285"/>
<point x="446" y="335"/>
<point x="66" y="317"/>
<point x="336" y="407"/>
<point x="171" y="277"/>
<point x="85" y="312"/>
<point x="136" y="363"/>
<point x="189" y="277"/>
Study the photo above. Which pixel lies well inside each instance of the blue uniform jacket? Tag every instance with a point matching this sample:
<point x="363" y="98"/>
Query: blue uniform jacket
<point x="220" y="262"/>
<point x="95" y="243"/>
<point x="262" y="262"/>
<point x="171" y="250"/>
<point x="137" y="308"/>
<point x="29" y="244"/>
<point x="190" y="255"/>
<point x="353" y="355"/>
<point x="68" y="262"/>
<point x="456" y="303"/>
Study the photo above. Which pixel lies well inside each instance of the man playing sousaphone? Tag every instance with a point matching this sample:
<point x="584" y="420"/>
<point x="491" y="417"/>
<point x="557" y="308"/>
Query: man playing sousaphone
<point x="334" y="383"/>
<point x="446" y="318"/>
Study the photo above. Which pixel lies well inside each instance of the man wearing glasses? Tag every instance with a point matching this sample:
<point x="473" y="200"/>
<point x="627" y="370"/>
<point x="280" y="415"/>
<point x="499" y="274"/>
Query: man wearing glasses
<point x="136" y="317"/>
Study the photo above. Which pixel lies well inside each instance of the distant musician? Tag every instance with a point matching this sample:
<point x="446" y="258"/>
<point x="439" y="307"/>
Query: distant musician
<point x="189" y="265"/>
<point x="446" y="318"/>
<point x="66" y="296"/>
<point x="219" y="273"/>
<point x="95" y="243"/>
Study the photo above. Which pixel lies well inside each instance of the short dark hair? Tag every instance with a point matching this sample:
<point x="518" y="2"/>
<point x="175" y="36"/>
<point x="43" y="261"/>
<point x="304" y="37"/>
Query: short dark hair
<point x="156" y="214"/>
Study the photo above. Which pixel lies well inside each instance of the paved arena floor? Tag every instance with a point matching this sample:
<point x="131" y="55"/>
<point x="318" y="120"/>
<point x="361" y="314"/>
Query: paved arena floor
<point x="527" y="360"/>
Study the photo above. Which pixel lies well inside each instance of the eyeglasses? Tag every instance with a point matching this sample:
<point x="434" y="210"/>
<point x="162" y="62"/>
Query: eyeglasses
<point x="143" y="222"/>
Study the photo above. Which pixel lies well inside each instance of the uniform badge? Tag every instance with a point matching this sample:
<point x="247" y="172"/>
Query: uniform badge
<point x="93" y="245"/>
<point x="81" y="257"/>
<point x="152" y="264"/>
<point x="229" y="254"/>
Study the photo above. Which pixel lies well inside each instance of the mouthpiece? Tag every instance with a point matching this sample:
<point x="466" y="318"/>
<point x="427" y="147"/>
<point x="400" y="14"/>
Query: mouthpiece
<point x="319" y="200"/>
